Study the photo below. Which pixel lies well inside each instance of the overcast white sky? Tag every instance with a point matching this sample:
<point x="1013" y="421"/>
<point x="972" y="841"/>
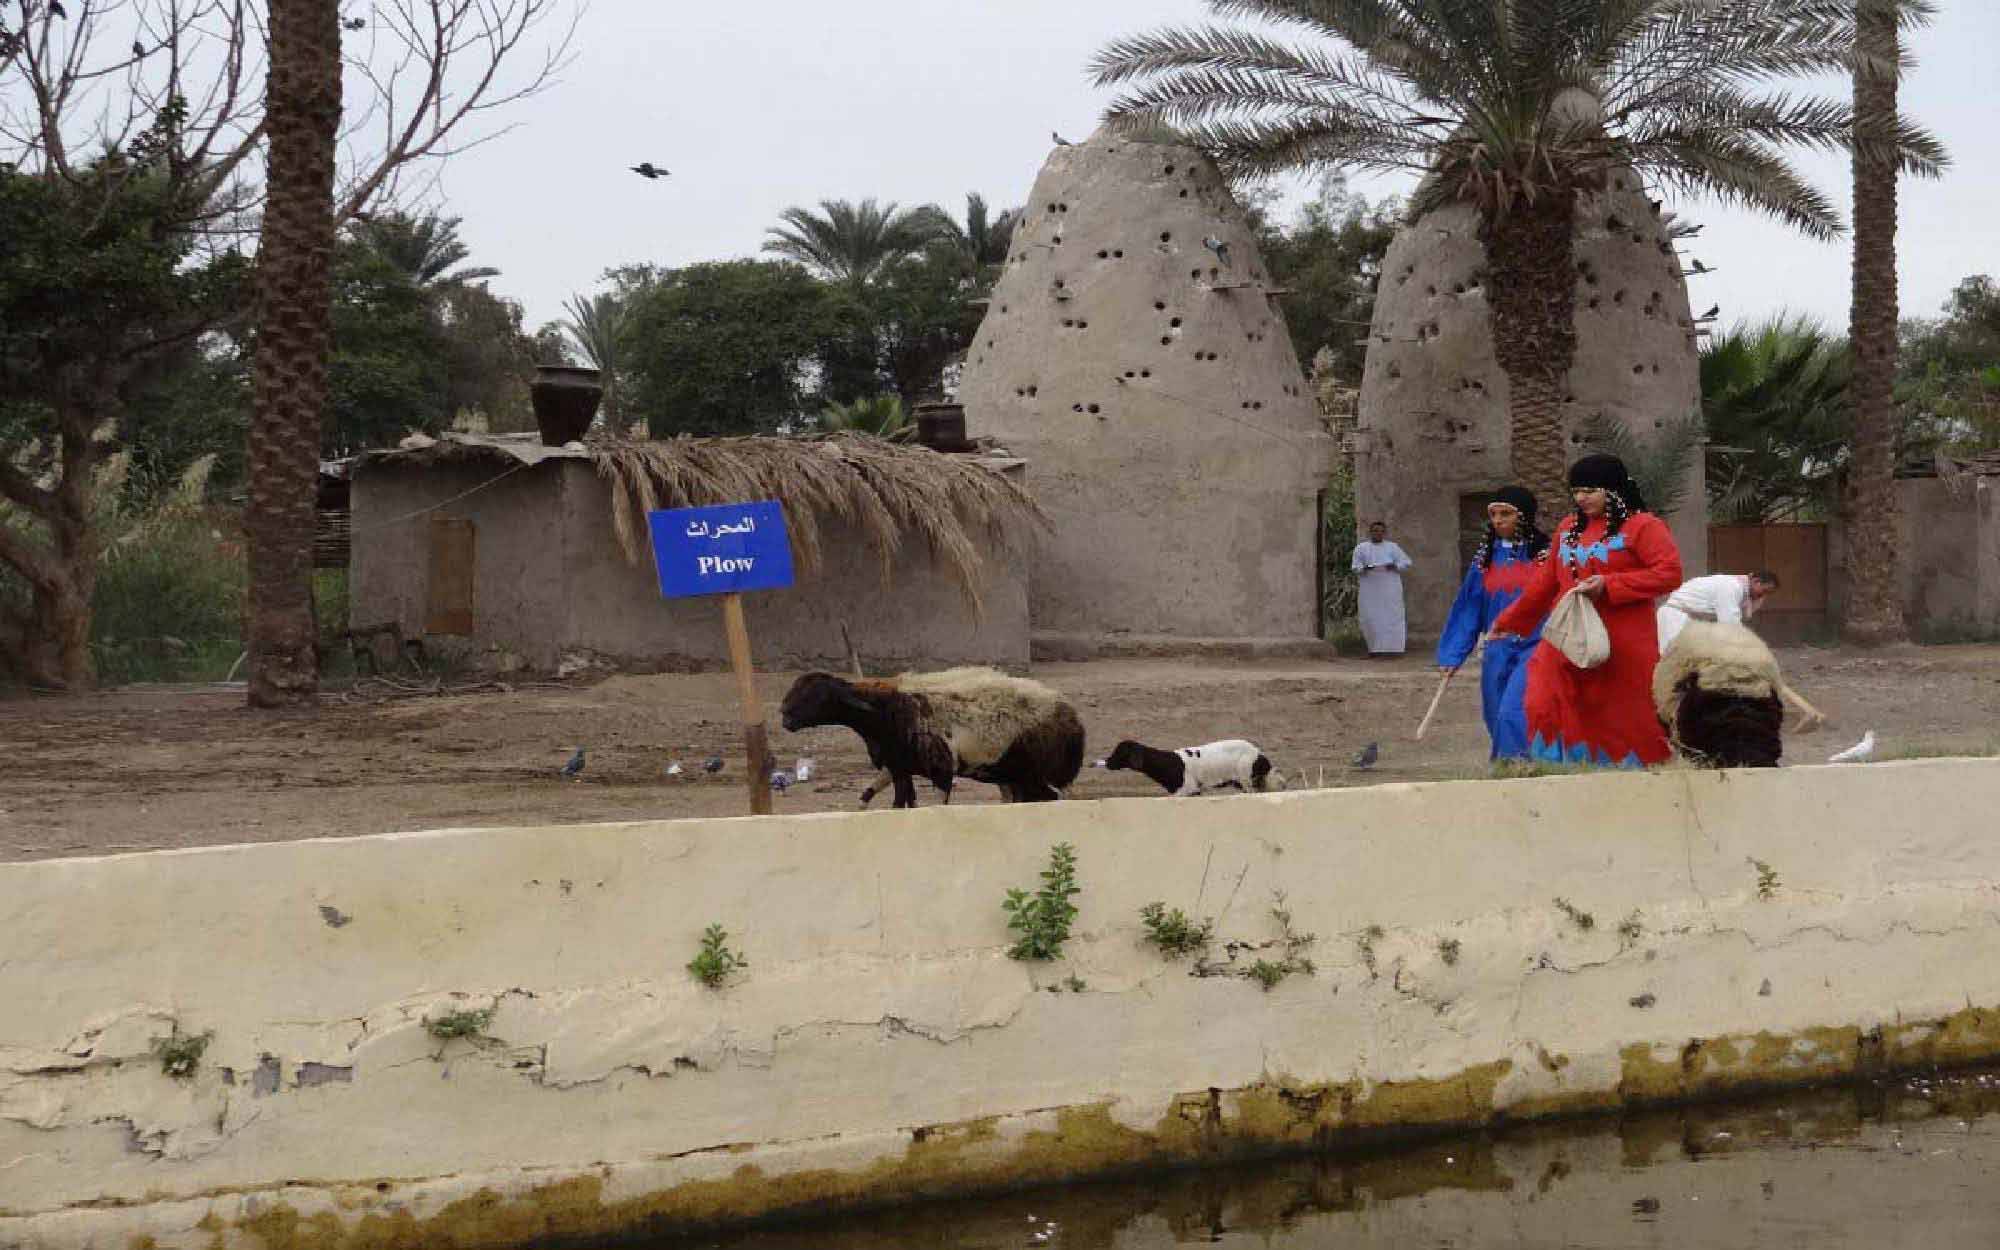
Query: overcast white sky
<point x="758" y="107"/>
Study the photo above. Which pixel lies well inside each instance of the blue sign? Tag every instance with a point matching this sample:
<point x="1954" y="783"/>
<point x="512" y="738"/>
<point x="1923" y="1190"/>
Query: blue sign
<point x="721" y="550"/>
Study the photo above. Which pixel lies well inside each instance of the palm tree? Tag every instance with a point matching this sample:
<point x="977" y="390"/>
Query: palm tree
<point x="881" y="415"/>
<point x="294" y="340"/>
<point x="1874" y="600"/>
<point x="1775" y="398"/>
<point x="984" y="238"/>
<point x="1516" y="107"/>
<point x="849" y="242"/>
<point x="595" y="324"/>
<point x="424" y="249"/>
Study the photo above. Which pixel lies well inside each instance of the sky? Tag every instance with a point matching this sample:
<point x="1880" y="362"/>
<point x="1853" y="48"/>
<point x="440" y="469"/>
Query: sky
<point x="787" y="102"/>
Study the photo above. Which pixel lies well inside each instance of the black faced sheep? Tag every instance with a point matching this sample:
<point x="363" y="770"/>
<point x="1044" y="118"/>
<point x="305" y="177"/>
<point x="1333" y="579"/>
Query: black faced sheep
<point x="1718" y="691"/>
<point x="1191" y="770"/>
<point x="964" y="722"/>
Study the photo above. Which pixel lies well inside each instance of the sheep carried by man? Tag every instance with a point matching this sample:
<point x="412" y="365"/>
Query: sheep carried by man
<point x="1719" y="693"/>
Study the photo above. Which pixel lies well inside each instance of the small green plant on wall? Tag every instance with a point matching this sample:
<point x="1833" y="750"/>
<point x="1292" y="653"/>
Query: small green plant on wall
<point x="1042" y="919"/>
<point x="714" y="962"/>
<point x="180" y="1054"/>
<point x="1174" y="932"/>
<point x="460" y="1022"/>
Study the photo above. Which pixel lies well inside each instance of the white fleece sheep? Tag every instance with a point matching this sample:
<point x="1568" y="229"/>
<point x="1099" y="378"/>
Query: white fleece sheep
<point x="1725" y="658"/>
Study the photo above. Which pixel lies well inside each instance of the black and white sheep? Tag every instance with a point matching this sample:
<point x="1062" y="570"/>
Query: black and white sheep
<point x="1191" y="770"/>
<point x="963" y="722"/>
<point x="1719" y="693"/>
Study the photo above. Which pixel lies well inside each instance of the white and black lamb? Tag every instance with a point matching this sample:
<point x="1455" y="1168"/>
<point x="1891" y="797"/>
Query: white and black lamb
<point x="975" y="723"/>
<point x="1191" y="770"/>
<point x="1718" y="691"/>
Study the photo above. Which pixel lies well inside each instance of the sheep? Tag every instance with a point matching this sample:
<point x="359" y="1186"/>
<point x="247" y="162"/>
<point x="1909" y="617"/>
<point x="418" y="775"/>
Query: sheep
<point x="963" y="722"/>
<point x="1718" y="691"/>
<point x="1191" y="770"/>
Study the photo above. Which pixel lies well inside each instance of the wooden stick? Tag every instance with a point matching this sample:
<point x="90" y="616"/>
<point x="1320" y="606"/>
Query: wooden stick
<point x="756" y="741"/>
<point x="1436" y="699"/>
<point x="853" y="656"/>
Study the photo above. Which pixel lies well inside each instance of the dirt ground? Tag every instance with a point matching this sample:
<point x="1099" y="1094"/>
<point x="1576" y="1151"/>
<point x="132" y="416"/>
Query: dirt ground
<point x="150" y="767"/>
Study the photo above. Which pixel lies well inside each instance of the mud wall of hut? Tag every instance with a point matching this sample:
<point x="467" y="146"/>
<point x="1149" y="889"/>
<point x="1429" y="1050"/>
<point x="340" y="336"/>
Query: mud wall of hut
<point x="548" y="580"/>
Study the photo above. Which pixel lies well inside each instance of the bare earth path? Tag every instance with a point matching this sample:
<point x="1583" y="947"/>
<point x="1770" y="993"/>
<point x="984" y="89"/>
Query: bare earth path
<point x="142" y="768"/>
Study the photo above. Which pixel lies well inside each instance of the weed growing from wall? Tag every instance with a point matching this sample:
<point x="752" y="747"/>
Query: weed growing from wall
<point x="713" y="963"/>
<point x="1043" y="918"/>
<point x="460" y="1023"/>
<point x="1174" y="932"/>
<point x="180" y="1054"/>
<point x="1767" y="880"/>
<point x="1448" y="951"/>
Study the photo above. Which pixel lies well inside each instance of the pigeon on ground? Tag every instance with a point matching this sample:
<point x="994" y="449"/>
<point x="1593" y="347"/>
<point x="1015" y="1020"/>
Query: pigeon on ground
<point x="1060" y="141"/>
<point x="574" y="766"/>
<point x="1860" y="752"/>
<point x="674" y="769"/>
<point x="781" y="781"/>
<point x="714" y="764"/>
<point x="803" y="770"/>
<point x="646" y="169"/>
<point x="1098" y="764"/>
<point x="1220" y="249"/>
<point x="1369" y="754"/>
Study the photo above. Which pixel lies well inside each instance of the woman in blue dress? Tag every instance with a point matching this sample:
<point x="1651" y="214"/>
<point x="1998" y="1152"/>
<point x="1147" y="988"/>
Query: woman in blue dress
<point x="1507" y="561"/>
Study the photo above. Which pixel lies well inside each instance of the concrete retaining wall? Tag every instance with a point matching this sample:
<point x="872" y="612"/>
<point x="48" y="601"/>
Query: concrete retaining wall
<point x="1483" y="950"/>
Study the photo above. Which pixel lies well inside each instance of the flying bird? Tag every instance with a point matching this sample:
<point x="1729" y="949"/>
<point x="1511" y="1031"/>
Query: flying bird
<point x="1859" y="753"/>
<point x="1220" y="249"/>
<point x="574" y="766"/>
<point x="714" y="764"/>
<point x="646" y="169"/>
<point x="1060" y="141"/>
<point x="1369" y="754"/>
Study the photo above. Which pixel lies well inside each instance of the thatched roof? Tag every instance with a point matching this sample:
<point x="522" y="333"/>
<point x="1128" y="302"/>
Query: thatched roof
<point x="958" y="507"/>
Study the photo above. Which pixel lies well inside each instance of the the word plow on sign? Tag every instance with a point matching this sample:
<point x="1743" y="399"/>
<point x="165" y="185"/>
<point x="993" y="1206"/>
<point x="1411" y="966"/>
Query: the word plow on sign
<point x="725" y="550"/>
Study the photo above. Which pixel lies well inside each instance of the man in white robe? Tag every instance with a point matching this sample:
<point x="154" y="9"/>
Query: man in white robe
<point x="1731" y="598"/>
<point x="1380" y="564"/>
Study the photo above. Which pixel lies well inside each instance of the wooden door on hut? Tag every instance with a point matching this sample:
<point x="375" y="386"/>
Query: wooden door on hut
<point x="1797" y="554"/>
<point x="451" y="583"/>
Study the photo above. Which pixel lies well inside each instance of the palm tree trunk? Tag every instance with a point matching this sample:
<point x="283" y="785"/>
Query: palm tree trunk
<point x="294" y="336"/>
<point x="1873" y="557"/>
<point x="1530" y="252"/>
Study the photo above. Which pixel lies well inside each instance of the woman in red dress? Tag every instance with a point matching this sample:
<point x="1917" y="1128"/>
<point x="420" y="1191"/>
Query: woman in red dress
<point x="1624" y="558"/>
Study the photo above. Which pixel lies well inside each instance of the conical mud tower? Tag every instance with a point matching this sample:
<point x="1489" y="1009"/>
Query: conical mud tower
<point x="1148" y="379"/>
<point x="1433" y="440"/>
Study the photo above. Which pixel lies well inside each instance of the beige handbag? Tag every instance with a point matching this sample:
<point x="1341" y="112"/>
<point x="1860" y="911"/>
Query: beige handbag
<point x="1575" y="629"/>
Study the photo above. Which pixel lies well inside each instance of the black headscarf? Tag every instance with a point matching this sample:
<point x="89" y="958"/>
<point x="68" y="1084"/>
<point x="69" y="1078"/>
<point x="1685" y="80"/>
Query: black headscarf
<point x="1606" y="473"/>
<point x="1535" y="542"/>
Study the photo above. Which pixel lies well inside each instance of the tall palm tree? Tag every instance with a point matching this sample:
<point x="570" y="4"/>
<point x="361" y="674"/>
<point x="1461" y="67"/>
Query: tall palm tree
<point x="1874" y="599"/>
<point x="294" y="340"/>
<point x="425" y="248"/>
<point x="595" y="324"/>
<point x="1516" y="107"/>
<point x="849" y="242"/>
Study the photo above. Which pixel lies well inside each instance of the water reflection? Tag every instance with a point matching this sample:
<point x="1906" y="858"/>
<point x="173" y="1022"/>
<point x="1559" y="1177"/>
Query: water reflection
<point x="1886" y="1165"/>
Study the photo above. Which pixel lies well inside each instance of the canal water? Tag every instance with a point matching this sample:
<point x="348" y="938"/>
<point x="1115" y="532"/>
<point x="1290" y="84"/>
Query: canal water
<point x="1911" y="1163"/>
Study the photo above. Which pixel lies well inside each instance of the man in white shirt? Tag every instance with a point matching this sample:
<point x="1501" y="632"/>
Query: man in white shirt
<point x="1380" y="564"/>
<point x="1728" y="597"/>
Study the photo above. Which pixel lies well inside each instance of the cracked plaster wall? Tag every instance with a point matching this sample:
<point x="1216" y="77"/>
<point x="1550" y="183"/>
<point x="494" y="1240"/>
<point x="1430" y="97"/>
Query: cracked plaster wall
<point x="881" y="1044"/>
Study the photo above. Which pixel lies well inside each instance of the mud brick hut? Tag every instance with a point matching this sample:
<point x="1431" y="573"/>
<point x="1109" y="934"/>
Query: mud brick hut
<point x="536" y="554"/>
<point x="1133" y="353"/>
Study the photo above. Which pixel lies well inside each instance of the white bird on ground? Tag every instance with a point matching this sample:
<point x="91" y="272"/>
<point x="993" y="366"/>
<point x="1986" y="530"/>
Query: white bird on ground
<point x="1860" y="752"/>
<point x="674" y="769"/>
<point x="803" y="770"/>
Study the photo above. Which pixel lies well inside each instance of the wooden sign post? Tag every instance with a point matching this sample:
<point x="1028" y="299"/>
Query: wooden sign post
<point x="726" y="550"/>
